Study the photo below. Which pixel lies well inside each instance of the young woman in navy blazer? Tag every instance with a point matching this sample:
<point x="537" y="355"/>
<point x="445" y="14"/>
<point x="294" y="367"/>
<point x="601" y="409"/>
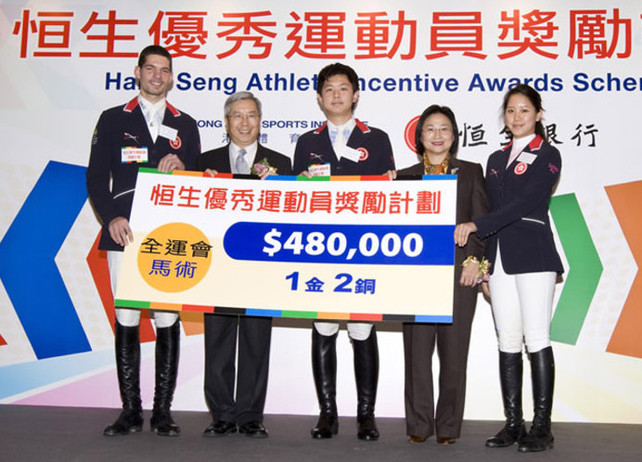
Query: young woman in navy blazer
<point x="519" y="243"/>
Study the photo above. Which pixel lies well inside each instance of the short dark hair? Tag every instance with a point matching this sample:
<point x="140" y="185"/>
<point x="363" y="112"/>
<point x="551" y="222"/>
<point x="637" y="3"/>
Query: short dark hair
<point x="338" y="69"/>
<point x="535" y="99"/>
<point x="436" y="109"/>
<point x="154" y="50"/>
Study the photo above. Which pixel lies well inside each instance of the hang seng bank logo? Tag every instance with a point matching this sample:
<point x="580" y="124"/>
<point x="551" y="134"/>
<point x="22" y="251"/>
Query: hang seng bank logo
<point x="409" y="133"/>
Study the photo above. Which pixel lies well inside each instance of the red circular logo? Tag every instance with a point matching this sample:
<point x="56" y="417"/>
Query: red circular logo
<point x="364" y="154"/>
<point x="520" y="168"/>
<point x="409" y="133"/>
<point x="176" y="143"/>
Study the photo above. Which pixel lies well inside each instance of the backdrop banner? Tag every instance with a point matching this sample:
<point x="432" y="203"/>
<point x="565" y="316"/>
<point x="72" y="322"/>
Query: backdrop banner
<point x="62" y="63"/>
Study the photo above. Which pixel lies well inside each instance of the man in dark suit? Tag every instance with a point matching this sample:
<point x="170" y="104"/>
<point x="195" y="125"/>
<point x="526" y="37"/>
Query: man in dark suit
<point x="145" y="132"/>
<point x="243" y="156"/>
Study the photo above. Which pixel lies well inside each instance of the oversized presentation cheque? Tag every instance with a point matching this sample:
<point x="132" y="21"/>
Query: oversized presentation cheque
<point x="357" y="248"/>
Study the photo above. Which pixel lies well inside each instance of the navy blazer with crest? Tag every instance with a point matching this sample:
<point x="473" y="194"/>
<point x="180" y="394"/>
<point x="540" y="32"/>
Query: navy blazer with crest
<point x="110" y="181"/>
<point x="519" y="197"/>
<point x="315" y="147"/>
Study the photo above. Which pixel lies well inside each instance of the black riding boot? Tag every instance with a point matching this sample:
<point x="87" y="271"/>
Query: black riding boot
<point x="540" y="436"/>
<point x="511" y="369"/>
<point x="127" y="345"/>
<point x="324" y="369"/>
<point x="167" y="352"/>
<point x="366" y="370"/>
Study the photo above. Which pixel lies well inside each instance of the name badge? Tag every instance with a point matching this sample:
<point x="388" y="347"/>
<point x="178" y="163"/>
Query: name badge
<point x="526" y="157"/>
<point x="168" y="132"/>
<point x="129" y="155"/>
<point x="349" y="153"/>
<point x="319" y="170"/>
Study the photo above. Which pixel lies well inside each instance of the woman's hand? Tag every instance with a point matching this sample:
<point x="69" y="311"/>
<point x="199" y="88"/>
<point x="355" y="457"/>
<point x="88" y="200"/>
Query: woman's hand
<point x="462" y="231"/>
<point x="469" y="274"/>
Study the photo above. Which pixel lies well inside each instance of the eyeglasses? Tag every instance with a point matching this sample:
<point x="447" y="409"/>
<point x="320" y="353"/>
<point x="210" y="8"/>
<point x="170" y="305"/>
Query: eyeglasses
<point x="238" y="116"/>
<point x="431" y="130"/>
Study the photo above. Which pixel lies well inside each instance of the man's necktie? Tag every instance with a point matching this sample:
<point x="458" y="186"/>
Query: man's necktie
<point x="241" y="164"/>
<point x="340" y="139"/>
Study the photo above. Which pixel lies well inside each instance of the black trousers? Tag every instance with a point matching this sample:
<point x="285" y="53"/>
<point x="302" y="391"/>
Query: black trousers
<point x="254" y="335"/>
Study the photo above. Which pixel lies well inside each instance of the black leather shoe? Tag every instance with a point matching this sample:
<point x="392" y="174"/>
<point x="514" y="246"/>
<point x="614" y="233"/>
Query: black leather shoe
<point x="162" y="424"/>
<point x="367" y="428"/>
<point x="539" y="438"/>
<point x="129" y="421"/>
<point x="220" y="428"/>
<point x="510" y="434"/>
<point x="253" y="429"/>
<point x="327" y="425"/>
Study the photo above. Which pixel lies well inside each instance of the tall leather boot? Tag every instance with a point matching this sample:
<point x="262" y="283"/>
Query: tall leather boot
<point x="511" y="370"/>
<point x="366" y="370"/>
<point x="127" y="346"/>
<point x="167" y="352"/>
<point x="324" y="369"/>
<point x="540" y="437"/>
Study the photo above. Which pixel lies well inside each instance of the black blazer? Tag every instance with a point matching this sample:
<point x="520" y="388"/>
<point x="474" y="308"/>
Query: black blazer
<point x="110" y="182"/>
<point x="219" y="160"/>
<point x="519" y="197"/>
<point x="472" y="203"/>
<point x="315" y="147"/>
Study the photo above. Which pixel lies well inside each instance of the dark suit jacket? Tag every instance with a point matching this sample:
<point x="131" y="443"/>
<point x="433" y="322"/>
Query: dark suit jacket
<point x="519" y="202"/>
<point x="472" y="202"/>
<point x="125" y="126"/>
<point x="219" y="160"/>
<point x="315" y="147"/>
